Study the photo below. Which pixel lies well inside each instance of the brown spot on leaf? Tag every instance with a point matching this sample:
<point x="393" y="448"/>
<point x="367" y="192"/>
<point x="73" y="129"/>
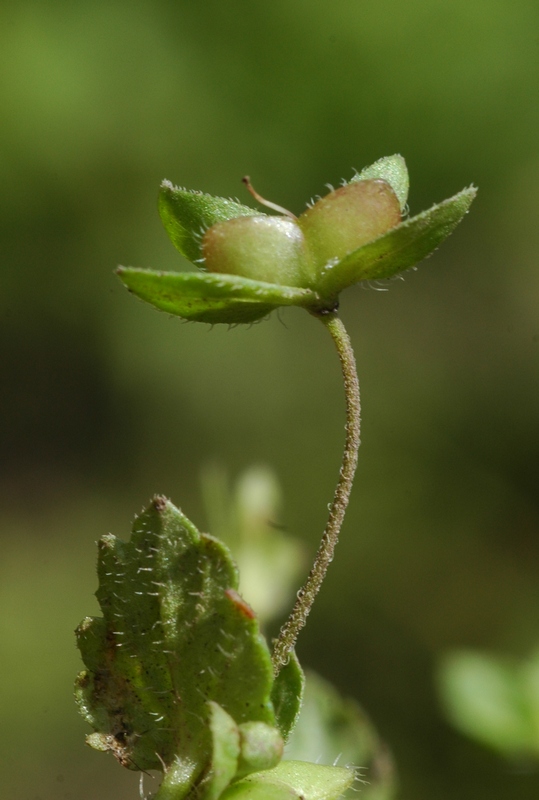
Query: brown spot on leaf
<point x="243" y="607"/>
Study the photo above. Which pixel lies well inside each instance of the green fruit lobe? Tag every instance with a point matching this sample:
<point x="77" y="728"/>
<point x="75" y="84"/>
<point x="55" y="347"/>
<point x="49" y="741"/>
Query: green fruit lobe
<point x="262" y="248"/>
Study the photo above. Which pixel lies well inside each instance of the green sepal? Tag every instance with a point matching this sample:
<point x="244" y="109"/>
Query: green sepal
<point x="237" y="751"/>
<point x="392" y="170"/>
<point x="399" y="249"/>
<point x="211" y="297"/>
<point x="174" y="636"/>
<point x="225" y="742"/>
<point x="293" y="780"/>
<point x="287" y="695"/>
<point x="188" y="214"/>
<point x="226" y="751"/>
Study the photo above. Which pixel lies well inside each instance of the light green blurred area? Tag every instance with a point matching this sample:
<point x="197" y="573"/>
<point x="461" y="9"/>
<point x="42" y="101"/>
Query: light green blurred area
<point x="104" y="401"/>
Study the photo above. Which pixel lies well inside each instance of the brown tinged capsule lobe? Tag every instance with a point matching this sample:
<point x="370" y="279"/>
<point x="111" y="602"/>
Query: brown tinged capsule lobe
<point x="348" y="218"/>
<point x="294" y="251"/>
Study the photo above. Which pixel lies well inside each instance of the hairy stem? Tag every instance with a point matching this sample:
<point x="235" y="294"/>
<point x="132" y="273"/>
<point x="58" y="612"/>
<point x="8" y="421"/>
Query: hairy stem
<point x="289" y="632"/>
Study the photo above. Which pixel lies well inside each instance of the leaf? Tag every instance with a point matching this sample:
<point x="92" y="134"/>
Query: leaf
<point x="293" y="780"/>
<point x="269" y="560"/>
<point x="188" y="214"/>
<point x="207" y="297"/>
<point x="402" y="247"/>
<point x="331" y="727"/>
<point x="287" y="695"/>
<point x="391" y="169"/>
<point x="174" y="636"/>
<point x="529" y="672"/>
<point x="486" y="699"/>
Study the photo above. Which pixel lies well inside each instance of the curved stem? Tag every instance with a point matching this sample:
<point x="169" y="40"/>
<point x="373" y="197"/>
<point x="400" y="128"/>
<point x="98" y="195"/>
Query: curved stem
<point x="289" y="632"/>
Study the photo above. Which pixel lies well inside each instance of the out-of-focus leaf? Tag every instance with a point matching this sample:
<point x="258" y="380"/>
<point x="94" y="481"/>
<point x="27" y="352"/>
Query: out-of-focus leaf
<point x="529" y="672"/>
<point x="330" y="728"/>
<point x="247" y="518"/>
<point x="188" y="214"/>
<point x="391" y="169"/>
<point x="402" y="247"/>
<point x="174" y="636"/>
<point x="210" y="297"/>
<point x="490" y="700"/>
<point x="287" y="695"/>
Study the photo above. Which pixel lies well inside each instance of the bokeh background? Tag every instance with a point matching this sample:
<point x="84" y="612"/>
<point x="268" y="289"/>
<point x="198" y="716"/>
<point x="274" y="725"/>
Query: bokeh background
<point x="104" y="401"/>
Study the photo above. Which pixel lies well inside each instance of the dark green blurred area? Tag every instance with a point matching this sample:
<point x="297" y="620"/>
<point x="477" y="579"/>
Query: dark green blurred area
<point x="104" y="401"/>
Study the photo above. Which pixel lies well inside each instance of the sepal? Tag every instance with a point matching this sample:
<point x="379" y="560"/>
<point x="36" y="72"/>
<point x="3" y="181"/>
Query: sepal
<point x="287" y="695"/>
<point x="398" y="249"/>
<point x="210" y="297"/>
<point x="392" y="170"/>
<point x="187" y="215"/>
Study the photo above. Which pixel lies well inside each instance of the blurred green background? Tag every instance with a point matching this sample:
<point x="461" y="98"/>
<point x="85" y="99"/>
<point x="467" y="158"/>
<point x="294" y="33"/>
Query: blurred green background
<point x="104" y="401"/>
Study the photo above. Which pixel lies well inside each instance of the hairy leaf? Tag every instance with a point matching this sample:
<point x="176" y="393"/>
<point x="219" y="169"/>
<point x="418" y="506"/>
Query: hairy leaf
<point x="177" y="661"/>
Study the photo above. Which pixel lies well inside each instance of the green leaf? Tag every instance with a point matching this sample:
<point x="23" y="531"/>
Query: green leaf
<point x="529" y="672"/>
<point x="188" y="214"/>
<point x="207" y="297"/>
<point x="402" y="247"/>
<point x="331" y="727"/>
<point x="293" y="780"/>
<point x="174" y="636"/>
<point x="287" y="695"/>
<point x="269" y="560"/>
<point x="486" y="699"/>
<point x="391" y="169"/>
